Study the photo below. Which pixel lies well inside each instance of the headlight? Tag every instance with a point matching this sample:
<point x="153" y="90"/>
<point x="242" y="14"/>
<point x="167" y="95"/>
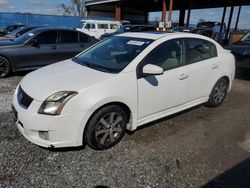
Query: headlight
<point x="54" y="104"/>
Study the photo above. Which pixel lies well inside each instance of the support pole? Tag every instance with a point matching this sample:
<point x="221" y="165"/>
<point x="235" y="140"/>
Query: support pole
<point x="223" y="19"/>
<point x="189" y="12"/>
<point x="182" y="17"/>
<point x="118" y="12"/>
<point x="170" y="10"/>
<point x="229" y="21"/>
<point x="237" y="20"/>
<point x="164" y="9"/>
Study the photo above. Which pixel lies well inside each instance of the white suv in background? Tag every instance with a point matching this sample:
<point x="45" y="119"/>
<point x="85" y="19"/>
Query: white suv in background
<point x="97" y="28"/>
<point x="121" y="83"/>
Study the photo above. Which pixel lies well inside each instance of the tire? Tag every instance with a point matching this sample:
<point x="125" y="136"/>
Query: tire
<point x="106" y="127"/>
<point x="5" y="68"/>
<point x="218" y="93"/>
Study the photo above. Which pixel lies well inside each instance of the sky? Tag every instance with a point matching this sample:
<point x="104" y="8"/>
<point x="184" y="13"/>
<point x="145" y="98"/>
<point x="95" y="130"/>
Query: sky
<point x="50" y="7"/>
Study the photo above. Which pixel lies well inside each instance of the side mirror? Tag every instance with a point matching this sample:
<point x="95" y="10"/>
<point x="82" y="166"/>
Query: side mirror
<point x="150" y="69"/>
<point x="33" y="42"/>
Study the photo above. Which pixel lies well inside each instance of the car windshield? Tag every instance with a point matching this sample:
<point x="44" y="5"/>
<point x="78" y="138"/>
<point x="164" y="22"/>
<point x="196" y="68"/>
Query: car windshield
<point x="246" y="37"/>
<point x="113" y="54"/>
<point x="23" y="38"/>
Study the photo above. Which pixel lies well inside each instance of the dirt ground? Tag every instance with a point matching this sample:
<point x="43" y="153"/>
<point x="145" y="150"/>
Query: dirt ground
<point x="200" y="147"/>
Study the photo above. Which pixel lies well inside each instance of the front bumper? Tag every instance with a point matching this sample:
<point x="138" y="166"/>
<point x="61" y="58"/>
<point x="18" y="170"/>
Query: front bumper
<point x="65" y="130"/>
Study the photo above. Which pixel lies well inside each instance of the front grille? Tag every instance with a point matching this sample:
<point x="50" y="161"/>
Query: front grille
<point x="23" y="98"/>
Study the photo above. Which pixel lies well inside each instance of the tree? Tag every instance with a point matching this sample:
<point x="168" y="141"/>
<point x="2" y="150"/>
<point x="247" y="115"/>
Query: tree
<point x="74" y="7"/>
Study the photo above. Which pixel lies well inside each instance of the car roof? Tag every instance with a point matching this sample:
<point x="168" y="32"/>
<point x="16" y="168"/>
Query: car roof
<point x="157" y="35"/>
<point x="146" y="35"/>
<point x="51" y="29"/>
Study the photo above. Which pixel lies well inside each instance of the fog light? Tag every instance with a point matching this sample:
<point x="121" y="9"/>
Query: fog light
<point x="44" y="135"/>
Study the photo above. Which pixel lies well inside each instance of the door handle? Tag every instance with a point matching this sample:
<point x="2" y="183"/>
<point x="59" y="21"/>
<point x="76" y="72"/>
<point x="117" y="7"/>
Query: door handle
<point x="183" y="77"/>
<point x="214" y="66"/>
<point x="81" y="45"/>
<point x="53" y="47"/>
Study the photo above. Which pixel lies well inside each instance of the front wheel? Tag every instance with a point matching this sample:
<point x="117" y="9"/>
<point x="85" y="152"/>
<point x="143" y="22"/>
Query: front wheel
<point x="106" y="128"/>
<point x="218" y="93"/>
<point x="5" y="67"/>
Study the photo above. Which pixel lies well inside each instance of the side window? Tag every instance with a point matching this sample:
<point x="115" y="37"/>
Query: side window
<point x="89" y="26"/>
<point x="201" y="50"/>
<point x="47" y="37"/>
<point x="114" y="26"/>
<point x="102" y="26"/>
<point x="69" y="37"/>
<point x="83" y="38"/>
<point x="168" y="55"/>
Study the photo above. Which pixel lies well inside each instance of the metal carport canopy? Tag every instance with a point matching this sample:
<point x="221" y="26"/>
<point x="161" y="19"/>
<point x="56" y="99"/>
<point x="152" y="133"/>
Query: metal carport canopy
<point x="156" y="5"/>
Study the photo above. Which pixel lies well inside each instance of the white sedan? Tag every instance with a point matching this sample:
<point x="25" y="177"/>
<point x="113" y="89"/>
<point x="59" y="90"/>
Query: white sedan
<point x="121" y="83"/>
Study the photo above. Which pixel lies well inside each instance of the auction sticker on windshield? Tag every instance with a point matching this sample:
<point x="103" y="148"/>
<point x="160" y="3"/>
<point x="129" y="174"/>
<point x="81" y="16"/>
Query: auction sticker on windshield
<point x="136" y="43"/>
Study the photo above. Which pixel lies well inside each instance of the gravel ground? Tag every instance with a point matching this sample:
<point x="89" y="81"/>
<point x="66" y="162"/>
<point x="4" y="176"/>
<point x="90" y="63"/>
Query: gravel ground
<point x="200" y="147"/>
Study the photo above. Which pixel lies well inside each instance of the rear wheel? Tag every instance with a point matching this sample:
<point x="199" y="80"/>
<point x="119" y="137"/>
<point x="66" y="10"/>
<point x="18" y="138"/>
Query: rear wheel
<point x="218" y="93"/>
<point x="5" y="67"/>
<point x="106" y="128"/>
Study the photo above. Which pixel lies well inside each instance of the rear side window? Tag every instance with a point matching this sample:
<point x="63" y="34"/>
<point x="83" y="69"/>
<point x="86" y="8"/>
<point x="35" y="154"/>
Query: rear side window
<point x="47" y="37"/>
<point x="83" y="38"/>
<point x="102" y="26"/>
<point x="69" y="37"/>
<point x="200" y="50"/>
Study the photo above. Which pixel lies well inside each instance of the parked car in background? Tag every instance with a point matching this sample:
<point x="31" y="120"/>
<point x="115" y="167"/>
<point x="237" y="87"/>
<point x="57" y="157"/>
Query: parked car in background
<point x="182" y="29"/>
<point x="121" y="83"/>
<point x="130" y="28"/>
<point x="212" y="30"/>
<point x="40" y="47"/>
<point x="241" y="51"/>
<point x="98" y="27"/>
<point x="18" y="32"/>
<point x="9" y="28"/>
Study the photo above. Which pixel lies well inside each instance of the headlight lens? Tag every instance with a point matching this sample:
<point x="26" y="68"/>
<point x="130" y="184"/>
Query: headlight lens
<point x="54" y="104"/>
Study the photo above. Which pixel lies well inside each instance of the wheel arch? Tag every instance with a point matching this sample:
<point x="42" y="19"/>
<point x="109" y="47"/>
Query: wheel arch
<point x="124" y="106"/>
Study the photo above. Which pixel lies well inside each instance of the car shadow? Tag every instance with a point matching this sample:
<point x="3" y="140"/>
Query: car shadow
<point x="242" y="74"/>
<point x="236" y="177"/>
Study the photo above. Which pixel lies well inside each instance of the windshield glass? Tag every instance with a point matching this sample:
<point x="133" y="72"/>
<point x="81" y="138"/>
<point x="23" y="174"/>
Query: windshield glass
<point x="246" y="37"/>
<point x="23" y="38"/>
<point x="114" y="54"/>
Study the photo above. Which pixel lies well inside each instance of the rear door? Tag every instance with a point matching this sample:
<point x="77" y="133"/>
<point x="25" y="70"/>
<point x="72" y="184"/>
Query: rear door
<point x="44" y="53"/>
<point x="202" y="69"/>
<point x="71" y="44"/>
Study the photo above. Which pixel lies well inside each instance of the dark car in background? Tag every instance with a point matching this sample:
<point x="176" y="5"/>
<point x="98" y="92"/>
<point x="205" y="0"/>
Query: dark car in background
<point x="18" y="32"/>
<point x="9" y="28"/>
<point x="241" y="51"/>
<point x="130" y="28"/>
<point x="40" y="47"/>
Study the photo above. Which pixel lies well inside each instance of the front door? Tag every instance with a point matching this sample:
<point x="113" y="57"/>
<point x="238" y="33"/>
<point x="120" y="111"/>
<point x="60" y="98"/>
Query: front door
<point x="43" y="53"/>
<point x="161" y="92"/>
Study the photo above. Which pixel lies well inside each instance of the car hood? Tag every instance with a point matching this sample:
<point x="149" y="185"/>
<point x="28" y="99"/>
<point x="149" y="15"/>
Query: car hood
<point x="63" y="76"/>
